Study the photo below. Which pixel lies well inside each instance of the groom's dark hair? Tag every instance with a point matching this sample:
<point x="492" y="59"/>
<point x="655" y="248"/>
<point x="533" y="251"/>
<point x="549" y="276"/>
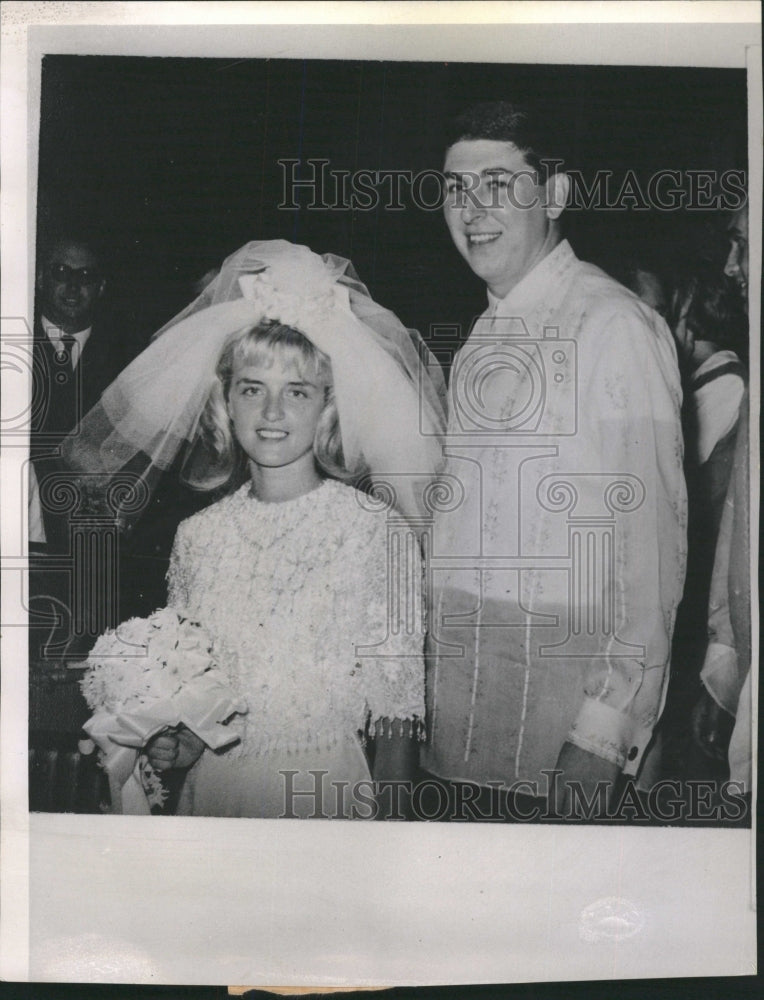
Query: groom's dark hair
<point x="541" y="143"/>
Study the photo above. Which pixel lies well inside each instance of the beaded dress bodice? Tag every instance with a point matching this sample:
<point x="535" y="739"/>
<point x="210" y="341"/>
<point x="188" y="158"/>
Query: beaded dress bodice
<point x="289" y="591"/>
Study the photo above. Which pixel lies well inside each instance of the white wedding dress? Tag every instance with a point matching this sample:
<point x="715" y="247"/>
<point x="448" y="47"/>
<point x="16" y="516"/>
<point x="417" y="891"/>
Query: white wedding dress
<point x="289" y="592"/>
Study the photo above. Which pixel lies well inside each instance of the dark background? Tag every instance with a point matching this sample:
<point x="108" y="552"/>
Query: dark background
<point x="174" y="162"/>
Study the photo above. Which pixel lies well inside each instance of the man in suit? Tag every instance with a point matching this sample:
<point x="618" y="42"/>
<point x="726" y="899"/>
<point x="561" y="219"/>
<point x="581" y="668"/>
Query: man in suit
<point x="77" y="353"/>
<point x="76" y="356"/>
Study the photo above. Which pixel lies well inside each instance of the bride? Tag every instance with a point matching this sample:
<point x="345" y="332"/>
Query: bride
<point x="289" y="385"/>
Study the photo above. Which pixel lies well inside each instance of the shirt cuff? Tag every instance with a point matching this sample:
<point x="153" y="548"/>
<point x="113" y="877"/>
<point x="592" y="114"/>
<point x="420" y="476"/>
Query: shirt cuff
<point x="720" y="676"/>
<point x="613" y="735"/>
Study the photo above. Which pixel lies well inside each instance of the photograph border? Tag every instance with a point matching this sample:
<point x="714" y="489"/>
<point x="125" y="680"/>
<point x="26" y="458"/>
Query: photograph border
<point x="282" y="914"/>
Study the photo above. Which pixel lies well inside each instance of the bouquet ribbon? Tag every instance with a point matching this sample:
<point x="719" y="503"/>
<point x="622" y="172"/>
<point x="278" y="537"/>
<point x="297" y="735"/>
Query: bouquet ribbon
<point x="202" y="709"/>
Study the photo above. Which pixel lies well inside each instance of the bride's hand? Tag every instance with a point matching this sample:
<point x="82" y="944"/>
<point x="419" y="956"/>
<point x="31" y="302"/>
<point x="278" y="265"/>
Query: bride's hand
<point x="174" y="748"/>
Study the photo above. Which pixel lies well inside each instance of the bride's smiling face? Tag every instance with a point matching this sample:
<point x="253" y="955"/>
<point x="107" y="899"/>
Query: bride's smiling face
<point x="274" y="409"/>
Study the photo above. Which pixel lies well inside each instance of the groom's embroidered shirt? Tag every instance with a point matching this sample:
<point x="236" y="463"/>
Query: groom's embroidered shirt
<point x="558" y="561"/>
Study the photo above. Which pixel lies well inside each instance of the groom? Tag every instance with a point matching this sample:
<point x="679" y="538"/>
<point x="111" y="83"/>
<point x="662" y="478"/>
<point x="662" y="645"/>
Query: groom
<point x="556" y="578"/>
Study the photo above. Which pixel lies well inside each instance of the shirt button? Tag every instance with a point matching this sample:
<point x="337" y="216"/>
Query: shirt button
<point x="633" y="753"/>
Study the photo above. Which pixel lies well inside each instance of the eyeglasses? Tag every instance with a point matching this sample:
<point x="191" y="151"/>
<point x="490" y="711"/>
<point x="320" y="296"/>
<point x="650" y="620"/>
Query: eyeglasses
<point x="80" y="275"/>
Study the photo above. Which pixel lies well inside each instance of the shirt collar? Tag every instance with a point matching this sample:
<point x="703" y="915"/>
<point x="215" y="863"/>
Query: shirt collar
<point x="534" y="288"/>
<point x="54" y="332"/>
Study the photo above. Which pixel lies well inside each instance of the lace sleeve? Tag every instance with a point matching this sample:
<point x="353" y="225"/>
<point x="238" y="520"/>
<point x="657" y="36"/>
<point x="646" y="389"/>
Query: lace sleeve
<point x="392" y="591"/>
<point x="178" y="571"/>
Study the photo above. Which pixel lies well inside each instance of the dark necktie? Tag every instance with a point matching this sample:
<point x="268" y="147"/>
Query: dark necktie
<point x="64" y="353"/>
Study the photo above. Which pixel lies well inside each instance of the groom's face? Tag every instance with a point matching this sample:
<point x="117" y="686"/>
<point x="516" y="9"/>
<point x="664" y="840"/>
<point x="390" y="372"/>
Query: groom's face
<point x="495" y="210"/>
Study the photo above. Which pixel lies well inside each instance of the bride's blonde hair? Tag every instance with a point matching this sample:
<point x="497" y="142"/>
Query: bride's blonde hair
<point x="259" y="345"/>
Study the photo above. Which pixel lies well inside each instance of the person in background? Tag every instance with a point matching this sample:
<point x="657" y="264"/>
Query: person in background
<point x="736" y="265"/>
<point x="710" y="327"/>
<point x="634" y="261"/>
<point x="711" y="330"/>
<point x="77" y="353"/>
<point x="75" y="357"/>
<point x="722" y="718"/>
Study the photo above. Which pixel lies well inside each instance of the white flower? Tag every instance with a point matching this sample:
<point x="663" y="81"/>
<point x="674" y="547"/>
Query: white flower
<point x="315" y="303"/>
<point x="291" y="266"/>
<point x="146" y="660"/>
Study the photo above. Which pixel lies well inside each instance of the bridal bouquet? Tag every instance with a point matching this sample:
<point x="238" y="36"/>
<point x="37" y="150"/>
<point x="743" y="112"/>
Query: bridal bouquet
<point x="145" y="676"/>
